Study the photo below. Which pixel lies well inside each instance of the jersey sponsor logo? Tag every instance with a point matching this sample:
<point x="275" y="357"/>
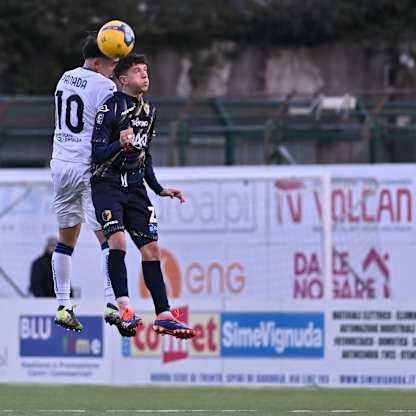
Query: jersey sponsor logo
<point x="106" y="215"/>
<point x="136" y="122"/>
<point x="40" y="337"/>
<point x="272" y="335"/>
<point x="140" y="140"/>
<point x="206" y="342"/>
<point x="66" y="137"/>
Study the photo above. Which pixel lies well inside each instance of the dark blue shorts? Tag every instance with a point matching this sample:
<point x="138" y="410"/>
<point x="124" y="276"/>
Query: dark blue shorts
<point x="130" y="209"/>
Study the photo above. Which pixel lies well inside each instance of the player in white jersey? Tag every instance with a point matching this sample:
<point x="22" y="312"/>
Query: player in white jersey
<point x="79" y="95"/>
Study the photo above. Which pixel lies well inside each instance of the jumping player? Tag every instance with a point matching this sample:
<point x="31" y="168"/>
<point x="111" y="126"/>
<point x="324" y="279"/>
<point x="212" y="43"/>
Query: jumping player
<point x="79" y="95"/>
<point x="124" y="128"/>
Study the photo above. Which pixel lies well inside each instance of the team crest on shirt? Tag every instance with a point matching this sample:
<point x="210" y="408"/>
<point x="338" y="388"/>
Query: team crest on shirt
<point x="146" y="108"/>
<point x="106" y="215"/>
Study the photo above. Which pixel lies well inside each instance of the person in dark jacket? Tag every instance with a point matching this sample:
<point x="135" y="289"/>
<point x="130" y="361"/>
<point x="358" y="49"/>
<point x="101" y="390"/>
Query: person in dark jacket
<point x="41" y="279"/>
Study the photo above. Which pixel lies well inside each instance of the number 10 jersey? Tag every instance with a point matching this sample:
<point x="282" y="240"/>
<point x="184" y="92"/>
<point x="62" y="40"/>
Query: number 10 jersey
<point x="79" y="95"/>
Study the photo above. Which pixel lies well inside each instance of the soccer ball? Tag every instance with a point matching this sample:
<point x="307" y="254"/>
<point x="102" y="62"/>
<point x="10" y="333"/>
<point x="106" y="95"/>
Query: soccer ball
<point x="115" y="39"/>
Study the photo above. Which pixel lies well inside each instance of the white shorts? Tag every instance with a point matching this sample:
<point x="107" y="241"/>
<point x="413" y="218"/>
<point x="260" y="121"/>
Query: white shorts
<point x="72" y="194"/>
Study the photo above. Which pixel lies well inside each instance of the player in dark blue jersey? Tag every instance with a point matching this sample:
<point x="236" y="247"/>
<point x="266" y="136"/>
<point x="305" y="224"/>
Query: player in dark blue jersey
<point x="124" y="128"/>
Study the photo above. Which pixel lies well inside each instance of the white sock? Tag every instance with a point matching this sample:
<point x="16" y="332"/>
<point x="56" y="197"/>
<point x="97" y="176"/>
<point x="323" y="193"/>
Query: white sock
<point x="61" y="270"/>
<point x="108" y="289"/>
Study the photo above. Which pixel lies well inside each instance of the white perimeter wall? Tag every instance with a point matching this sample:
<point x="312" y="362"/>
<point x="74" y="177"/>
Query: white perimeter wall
<point x="244" y="260"/>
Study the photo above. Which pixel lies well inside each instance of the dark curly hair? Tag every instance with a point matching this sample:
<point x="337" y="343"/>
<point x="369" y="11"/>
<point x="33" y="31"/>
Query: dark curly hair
<point x="125" y="63"/>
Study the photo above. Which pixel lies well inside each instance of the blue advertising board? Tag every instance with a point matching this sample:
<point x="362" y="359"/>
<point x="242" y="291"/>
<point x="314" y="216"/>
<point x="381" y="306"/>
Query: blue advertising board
<point x="39" y="336"/>
<point x="272" y="335"/>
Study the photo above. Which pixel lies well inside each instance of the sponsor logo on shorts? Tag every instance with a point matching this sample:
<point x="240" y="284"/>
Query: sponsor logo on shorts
<point x="153" y="228"/>
<point x="108" y="224"/>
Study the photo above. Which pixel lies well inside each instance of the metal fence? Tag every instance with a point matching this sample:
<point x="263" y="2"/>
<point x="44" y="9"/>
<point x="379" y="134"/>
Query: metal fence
<point x="376" y="127"/>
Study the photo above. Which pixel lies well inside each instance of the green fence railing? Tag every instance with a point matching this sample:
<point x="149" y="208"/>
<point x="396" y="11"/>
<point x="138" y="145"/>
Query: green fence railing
<point x="375" y="124"/>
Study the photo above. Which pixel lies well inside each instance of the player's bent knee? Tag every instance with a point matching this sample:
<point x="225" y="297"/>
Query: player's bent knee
<point x="117" y="241"/>
<point x="141" y="239"/>
<point x="69" y="235"/>
<point x="150" y="251"/>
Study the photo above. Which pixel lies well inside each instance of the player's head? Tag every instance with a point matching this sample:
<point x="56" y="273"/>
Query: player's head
<point x="95" y="59"/>
<point x="132" y="74"/>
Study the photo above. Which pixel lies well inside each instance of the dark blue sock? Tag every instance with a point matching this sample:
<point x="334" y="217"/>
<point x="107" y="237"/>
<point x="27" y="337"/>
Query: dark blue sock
<point x="118" y="272"/>
<point x="64" y="249"/>
<point x="153" y="279"/>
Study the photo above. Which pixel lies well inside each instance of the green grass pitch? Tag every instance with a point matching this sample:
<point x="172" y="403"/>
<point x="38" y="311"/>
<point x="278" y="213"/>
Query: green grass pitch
<point x="91" y="400"/>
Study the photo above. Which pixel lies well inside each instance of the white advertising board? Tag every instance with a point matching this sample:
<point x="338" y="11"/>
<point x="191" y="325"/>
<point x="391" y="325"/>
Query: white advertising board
<point x="36" y="350"/>
<point x="244" y="233"/>
<point x="348" y="344"/>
